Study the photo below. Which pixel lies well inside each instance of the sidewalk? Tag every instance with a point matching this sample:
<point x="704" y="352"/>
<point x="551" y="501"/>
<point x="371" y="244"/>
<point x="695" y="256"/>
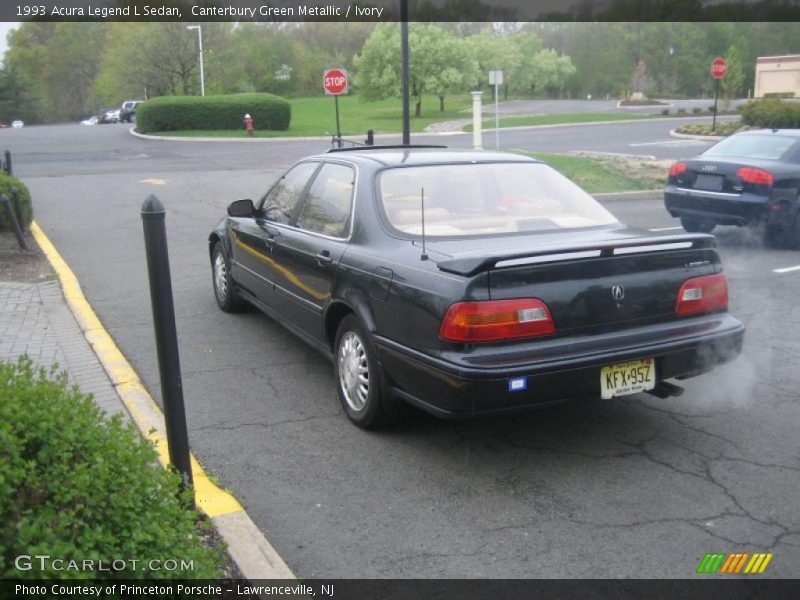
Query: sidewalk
<point x="35" y="320"/>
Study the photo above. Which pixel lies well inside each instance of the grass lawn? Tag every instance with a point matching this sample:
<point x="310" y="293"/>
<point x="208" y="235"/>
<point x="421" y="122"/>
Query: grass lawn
<point x="562" y="119"/>
<point x="317" y="116"/>
<point x="599" y="175"/>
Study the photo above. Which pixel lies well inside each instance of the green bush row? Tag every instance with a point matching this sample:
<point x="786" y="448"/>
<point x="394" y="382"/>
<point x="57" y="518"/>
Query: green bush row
<point x="771" y="113"/>
<point x="9" y="186"/>
<point x="76" y="485"/>
<point x="180" y="113"/>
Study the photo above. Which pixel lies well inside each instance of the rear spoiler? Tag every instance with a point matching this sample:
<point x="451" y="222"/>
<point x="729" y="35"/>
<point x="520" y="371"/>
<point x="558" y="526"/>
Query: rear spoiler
<point x="468" y="265"/>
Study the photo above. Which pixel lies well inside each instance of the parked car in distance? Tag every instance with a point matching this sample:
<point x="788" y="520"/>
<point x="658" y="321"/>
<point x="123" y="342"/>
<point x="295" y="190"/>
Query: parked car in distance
<point x="468" y="283"/>
<point x="108" y="115"/>
<point x="749" y="178"/>
<point x="89" y="121"/>
<point x="127" y="112"/>
<point x="17" y="124"/>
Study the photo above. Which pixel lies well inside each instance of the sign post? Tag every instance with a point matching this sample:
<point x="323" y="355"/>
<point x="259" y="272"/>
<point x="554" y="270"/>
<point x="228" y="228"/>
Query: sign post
<point x="335" y="83"/>
<point x="496" y="79"/>
<point x="718" y="69"/>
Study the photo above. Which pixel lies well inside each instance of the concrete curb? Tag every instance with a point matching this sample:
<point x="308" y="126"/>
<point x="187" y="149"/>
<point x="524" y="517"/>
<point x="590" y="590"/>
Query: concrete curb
<point x="169" y="138"/>
<point x="248" y="548"/>
<point x="637" y="194"/>
<point x="689" y="136"/>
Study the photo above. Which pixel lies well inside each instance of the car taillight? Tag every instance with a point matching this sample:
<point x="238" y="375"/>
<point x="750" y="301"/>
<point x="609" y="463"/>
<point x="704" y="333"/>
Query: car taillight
<point x="755" y="176"/>
<point x="677" y="169"/>
<point x="702" y="294"/>
<point x="494" y="320"/>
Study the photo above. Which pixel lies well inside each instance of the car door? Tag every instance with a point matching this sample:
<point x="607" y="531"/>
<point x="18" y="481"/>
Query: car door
<point x="308" y="254"/>
<point x="253" y="238"/>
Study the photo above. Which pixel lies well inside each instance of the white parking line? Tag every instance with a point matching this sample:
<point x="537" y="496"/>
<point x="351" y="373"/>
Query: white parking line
<point x="666" y="228"/>
<point x="671" y="143"/>
<point x="786" y="269"/>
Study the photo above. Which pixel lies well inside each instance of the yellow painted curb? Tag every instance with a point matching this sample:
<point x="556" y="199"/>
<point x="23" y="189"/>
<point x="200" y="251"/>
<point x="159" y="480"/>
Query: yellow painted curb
<point x="148" y="417"/>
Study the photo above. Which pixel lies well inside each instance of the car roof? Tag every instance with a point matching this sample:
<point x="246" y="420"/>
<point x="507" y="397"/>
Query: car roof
<point x="398" y="155"/>
<point x="795" y="133"/>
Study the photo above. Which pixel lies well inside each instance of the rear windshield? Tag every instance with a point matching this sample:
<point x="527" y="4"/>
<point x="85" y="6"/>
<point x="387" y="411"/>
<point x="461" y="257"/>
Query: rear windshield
<point x="485" y="199"/>
<point x="769" y="147"/>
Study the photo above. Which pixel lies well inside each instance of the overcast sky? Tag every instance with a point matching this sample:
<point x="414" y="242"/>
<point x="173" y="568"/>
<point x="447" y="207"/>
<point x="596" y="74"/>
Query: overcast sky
<point x="4" y="29"/>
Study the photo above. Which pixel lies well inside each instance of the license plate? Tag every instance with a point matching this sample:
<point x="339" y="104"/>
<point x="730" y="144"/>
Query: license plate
<point x="711" y="183"/>
<point x="627" y="378"/>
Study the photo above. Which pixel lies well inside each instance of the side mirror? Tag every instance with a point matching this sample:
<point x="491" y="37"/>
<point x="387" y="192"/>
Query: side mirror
<point x="242" y="208"/>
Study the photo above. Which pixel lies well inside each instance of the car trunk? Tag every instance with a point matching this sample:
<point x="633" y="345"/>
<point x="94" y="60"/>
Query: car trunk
<point x="602" y="284"/>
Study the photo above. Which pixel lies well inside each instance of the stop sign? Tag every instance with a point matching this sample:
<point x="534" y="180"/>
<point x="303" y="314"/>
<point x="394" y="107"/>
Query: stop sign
<point x="718" y="68"/>
<point x="334" y="81"/>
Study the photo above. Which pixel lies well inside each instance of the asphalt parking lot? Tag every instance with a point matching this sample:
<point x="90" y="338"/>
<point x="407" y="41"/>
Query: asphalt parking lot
<point x="636" y="487"/>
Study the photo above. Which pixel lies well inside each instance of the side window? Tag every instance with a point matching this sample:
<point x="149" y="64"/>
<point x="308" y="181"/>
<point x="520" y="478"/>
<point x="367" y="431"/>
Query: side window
<point x="280" y="202"/>
<point x="326" y="209"/>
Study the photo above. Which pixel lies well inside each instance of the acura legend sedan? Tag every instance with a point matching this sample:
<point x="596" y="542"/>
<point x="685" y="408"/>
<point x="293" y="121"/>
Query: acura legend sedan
<point x="468" y="283"/>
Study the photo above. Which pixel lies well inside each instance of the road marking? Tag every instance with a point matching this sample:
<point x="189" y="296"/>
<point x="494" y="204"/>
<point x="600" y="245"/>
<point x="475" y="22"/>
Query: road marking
<point x="666" y="228"/>
<point x="786" y="269"/>
<point x="154" y="181"/>
<point x="671" y="143"/>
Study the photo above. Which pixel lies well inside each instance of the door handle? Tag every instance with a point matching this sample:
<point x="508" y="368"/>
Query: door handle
<point x="324" y="258"/>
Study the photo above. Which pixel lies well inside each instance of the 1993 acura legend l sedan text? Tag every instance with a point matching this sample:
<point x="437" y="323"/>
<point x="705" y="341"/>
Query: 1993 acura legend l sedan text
<point x="469" y="283"/>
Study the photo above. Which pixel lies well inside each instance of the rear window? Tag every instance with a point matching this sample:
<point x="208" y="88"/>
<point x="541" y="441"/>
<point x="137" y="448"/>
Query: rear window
<point x="769" y="147"/>
<point x="485" y="199"/>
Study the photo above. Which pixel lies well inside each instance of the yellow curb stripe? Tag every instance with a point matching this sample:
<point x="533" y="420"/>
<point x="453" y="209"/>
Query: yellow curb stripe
<point x="148" y="417"/>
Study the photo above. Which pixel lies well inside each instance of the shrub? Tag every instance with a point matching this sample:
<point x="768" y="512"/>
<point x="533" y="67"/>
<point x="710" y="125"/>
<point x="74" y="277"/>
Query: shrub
<point x="712" y="109"/>
<point x="779" y="95"/>
<point x="665" y="111"/>
<point x="77" y="485"/>
<point x="681" y="111"/>
<point x="696" y="110"/>
<point x="8" y="185"/>
<point x="771" y="113"/>
<point x="175" y="113"/>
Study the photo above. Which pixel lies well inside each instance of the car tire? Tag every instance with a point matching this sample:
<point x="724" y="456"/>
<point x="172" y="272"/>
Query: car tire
<point x="224" y="289"/>
<point x="359" y="379"/>
<point x="697" y="225"/>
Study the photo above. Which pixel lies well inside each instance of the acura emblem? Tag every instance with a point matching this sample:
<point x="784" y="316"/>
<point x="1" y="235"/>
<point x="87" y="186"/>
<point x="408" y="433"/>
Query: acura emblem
<point x="618" y="292"/>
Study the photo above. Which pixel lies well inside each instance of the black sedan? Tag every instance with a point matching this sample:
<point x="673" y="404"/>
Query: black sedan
<point x="470" y="283"/>
<point x="750" y="178"/>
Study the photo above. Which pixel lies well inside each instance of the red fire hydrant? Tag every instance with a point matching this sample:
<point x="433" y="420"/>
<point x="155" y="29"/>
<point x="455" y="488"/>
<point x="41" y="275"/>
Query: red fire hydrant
<point x="248" y="125"/>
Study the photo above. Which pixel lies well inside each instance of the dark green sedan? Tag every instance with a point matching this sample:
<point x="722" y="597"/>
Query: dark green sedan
<point x="468" y="283"/>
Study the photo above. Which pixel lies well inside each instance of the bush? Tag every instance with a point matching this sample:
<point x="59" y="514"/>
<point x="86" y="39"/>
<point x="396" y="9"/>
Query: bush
<point x="696" y="110"/>
<point x="178" y="113"/>
<point x="779" y="95"/>
<point x="681" y="111"/>
<point x="8" y="185"/>
<point x="665" y="111"/>
<point x="77" y="485"/>
<point x="771" y="113"/>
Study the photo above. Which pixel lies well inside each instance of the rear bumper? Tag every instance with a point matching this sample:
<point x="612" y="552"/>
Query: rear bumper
<point x="721" y="208"/>
<point x="561" y="370"/>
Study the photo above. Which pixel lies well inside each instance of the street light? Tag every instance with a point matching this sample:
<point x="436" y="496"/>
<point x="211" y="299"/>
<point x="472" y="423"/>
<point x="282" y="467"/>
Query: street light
<point x="200" y="40"/>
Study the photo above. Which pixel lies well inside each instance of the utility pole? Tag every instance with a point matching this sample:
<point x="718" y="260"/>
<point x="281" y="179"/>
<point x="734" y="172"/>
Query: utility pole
<point x="404" y="77"/>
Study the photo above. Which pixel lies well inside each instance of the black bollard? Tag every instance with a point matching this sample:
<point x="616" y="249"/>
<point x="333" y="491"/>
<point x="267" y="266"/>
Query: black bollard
<point x="169" y="367"/>
<point x="15" y="224"/>
<point x="7" y="164"/>
<point x="370" y="141"/>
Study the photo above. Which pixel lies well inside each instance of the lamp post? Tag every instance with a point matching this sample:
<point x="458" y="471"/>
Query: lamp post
<point x="200" y="40"/>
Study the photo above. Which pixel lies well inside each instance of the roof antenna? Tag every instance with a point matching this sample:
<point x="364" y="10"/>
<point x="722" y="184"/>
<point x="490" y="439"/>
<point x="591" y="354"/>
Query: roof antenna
<point x="422" y="201"/>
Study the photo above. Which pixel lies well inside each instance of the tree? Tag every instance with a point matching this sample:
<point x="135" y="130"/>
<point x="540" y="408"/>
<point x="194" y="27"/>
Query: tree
<point x="732" y="83"/>
<point x="494" y="52"/>
<point x="439" y="64"/>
